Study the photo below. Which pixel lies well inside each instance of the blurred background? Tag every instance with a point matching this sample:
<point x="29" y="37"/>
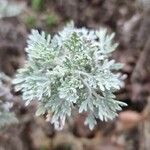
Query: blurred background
<point x="130" y="20"/>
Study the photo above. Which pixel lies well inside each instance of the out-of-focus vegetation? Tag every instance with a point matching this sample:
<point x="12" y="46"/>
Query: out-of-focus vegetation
<point x="30" y="21"/>
<point x="37" y="4"/>
<point x="6" y="117"/>
<point x="10" y="9"/>
<point x="50" y="20"/>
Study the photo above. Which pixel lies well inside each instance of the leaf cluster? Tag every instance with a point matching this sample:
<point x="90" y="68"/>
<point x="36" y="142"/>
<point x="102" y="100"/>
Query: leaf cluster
<point x="70" y="70"/>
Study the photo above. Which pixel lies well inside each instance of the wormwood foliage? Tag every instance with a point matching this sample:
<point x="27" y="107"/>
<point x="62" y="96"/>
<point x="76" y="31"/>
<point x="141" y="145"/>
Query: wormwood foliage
<point x="70" y="70"/>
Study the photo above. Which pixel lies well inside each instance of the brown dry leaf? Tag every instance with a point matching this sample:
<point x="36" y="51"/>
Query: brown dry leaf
<point x="128" y="119"/>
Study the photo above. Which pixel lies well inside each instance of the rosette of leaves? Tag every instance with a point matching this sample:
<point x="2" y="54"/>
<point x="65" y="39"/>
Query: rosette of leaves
<point x="70" y="70"/>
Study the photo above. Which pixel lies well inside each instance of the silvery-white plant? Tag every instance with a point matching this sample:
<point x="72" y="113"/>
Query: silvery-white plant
<point x="70" y="70"/>
<point x="6" y="117"/>
<point x="10" y="9"/>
